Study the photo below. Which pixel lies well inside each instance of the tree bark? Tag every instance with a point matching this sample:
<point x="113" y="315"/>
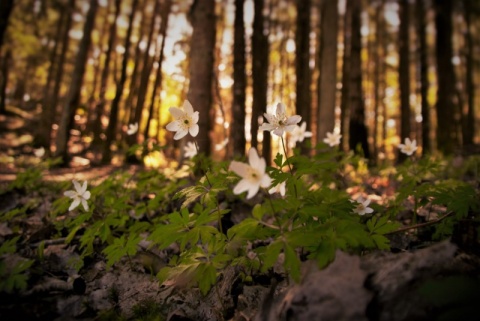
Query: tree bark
<point x="424" y="84"/>
<point x="4" y="80"/>
<point x="345" y="102"/>
<point x="144" y="79"/>
<point x="158" y="76"/>
<point x="404" y="74"/>
<point x="239" y="82"/>
<point x="6" y="7"/>
<point x="112" y="124"/>
<point x="445" y="75"/>
<point x="469" y="125"/>
<point x="358" y="132"/>
<point x="260" y="78"/>
<point x="327" y="81"/>
<point x="302" y="65"/>
<point x="100" y="108"/>
<point x="73" y="97"/>
<point x="201" y="68"/>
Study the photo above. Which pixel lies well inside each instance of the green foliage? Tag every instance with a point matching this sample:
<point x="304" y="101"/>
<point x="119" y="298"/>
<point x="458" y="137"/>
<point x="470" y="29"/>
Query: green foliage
<point x="13" y="269"/>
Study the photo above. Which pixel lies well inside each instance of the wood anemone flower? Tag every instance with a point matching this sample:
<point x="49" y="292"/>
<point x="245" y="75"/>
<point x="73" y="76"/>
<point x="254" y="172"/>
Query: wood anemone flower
<point x="185" y="121"/>
<point x="253" y="174"/>
<point x="332" y="139"/>
<point x="409" y="147"/>
<point x="79" y="195"/>
<point x="132" y="129"/>
<point x="362" y="206"/>
<point x="280" y="123"/>
<point x="190" y="150"/>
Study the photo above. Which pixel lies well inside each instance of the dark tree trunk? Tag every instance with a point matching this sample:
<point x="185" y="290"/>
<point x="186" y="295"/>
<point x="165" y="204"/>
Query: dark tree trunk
<point x="5" y="67"/>
<point x="144" y="79"/>
<point x="42" y="137"/>
<point x="378" y="87"/>
<point x="158" y="76"/>
<point x="99" y="110"/>
<point x="469" y="125"/>
<point x="345" y="102"/>
<point x="260" y="78"/>
<point x="201" y="67"/>
<point x="6" y="7"/>
<point x="53" y="99"/>
<point x="358" y="132"/>
<point x="73" y="96"/>
<point x="112" y="124"/>
<point x="327" y="81"/>
<point x="302" y="65"/>
<point x="404" y="74"/>
<point x="446" y="77"/>
<point x="239" y="82"/>
<point x="137" y="65"/>
<point x="422" y="56"/>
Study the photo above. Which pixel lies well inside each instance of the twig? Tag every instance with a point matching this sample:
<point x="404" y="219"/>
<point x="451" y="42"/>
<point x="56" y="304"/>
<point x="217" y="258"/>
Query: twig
<point x="403" y="229"/>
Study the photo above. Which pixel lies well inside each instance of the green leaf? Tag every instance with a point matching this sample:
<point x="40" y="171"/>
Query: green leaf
<point x="271" y="254"/>
<point x="292" y="263"/>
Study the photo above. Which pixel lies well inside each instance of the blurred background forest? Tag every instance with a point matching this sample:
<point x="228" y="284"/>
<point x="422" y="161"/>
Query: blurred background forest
<point x="377" y="71"/>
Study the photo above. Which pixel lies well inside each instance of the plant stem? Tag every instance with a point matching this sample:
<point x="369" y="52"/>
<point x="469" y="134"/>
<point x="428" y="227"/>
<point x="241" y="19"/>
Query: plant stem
<point x="403" y="229"/>
<point x="289" y="167"/>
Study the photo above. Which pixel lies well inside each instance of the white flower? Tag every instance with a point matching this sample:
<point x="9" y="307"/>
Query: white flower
<point x="39" y="152"/>
<point x="253" y="174"/>
<point x="280" y="123"/>
<point x="185" y="121"/>
<point x="132" y="129"/>
<point x="332" y="139"/>
<point x="190" y="150"/>
<point x="409" y="147"/>
<point x="299" y="133"/>
<point x="362" y="207"/>
<point x="279" y="188"/>
<point x="222" y="144"/>
<point x="79" y="195"/>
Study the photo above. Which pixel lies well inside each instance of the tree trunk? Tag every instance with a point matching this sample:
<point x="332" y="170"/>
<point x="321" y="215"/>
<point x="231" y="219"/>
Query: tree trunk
<point x="378" y="86"/>
<point x="404" y="74"/>
<point x="327" y="81"/>
<point x="422" y="39"/>
<point x="201" y="67"/>
<point x="42" y="137"/>
<point x="358" y="132"/>
<point x="112" y="124"/>
<point x="445" y="76"/>
<point x="4" y="81"/>
<point x="6" y="7"/>
<point x="144" y="79"/>
<point x="469" y="125"/>
<point x="260" y="78"/>
<point x="158" y="76"/>
<point x="239" y="82"/>
<point x="345" y="103"/>
<point x="302" y="65"/>
<point x="99" y="110"/>
<point x="73" y="97"/>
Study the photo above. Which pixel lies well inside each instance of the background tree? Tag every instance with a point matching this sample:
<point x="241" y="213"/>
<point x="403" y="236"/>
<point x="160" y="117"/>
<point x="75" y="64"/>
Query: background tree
<point x="202" y="48"/>
<point x="446" y="138"/>
<point x="358" y="132"/>
<point x="404" y="73"/>
<point x="73" y="97"/>
<point x="6" y="7"/>
<point x="302" y="64"/>
<point x="327" y="81"/>
<point x="110" y="133"/>
<point x="260" y="49"/>
<point x="237" y="132"/>
<point x="100" y="106"/>
<point x="469" y="124"/>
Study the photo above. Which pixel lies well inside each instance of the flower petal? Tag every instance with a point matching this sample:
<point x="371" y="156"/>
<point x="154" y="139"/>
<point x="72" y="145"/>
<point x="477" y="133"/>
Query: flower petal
<point x="77" y="186"/>
<point x="75" y="203"/>
<point x="83" y="189"/>
<point x="195" y="116"/>
<point x="194" y="130"/>
<point x="86" y="195"/>
<point x="239" y="168"/>
<point x="270" y="118"/>
<point x="293" y="120"/>
<point x="266" y="126"/>
<point x="278" y="131"/>
<point x="70" y="194"/>
<point x="85" y="205"/>
<point x="176" y="112"/>
<point x="187" y="107"/>
<point x="180" y="134"/>
<point x="369" y="210"/>
<point x="253" y="191"/>
<point x="253" y="158"/>
<point x="266" y="181"/>
<point x="280" y="109"/>
<point x="241" y="187"/>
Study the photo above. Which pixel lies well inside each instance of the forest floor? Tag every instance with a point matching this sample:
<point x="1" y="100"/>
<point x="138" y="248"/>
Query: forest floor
<point x="417" y="280"/>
